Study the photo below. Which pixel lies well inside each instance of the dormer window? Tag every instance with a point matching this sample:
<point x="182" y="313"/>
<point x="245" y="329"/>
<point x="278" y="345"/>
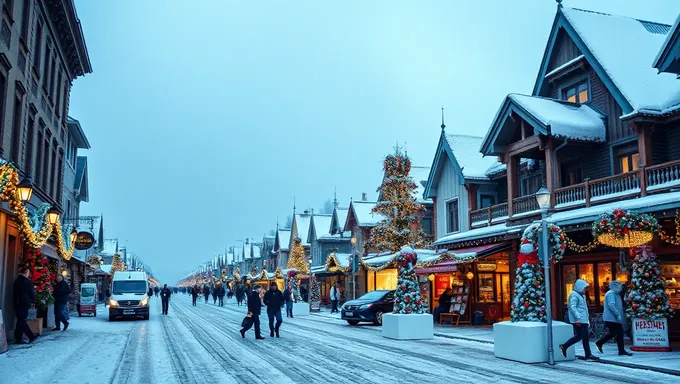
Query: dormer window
<point x="577" y="93"/>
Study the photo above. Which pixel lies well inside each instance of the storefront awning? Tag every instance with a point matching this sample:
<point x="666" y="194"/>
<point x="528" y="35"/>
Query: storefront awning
<point x="463" y="253"/>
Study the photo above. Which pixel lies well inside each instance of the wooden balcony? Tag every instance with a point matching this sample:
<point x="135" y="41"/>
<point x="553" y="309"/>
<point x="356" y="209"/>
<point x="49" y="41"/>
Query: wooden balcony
<point x="641" y="182"/>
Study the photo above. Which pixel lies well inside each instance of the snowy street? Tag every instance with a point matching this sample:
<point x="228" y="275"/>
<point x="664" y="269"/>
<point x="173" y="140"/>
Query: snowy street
<point x="202" y="344"/>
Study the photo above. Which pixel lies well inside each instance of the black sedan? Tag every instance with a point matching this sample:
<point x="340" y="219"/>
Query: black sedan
<point x="368" y="308"/>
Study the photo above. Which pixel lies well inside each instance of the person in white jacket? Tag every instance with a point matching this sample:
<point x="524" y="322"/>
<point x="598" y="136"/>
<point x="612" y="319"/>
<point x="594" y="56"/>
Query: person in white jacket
<point x="614" y="317"/>
<point x="335" y="297"/>
<point x="579" y="318"/>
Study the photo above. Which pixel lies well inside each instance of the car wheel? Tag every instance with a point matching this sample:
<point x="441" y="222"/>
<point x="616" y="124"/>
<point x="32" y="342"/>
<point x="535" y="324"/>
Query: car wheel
<point x="378" y="318"/>
<point x="352" y="322"/>
<point x="111" y="318"/>
<point x="146" y="317"/>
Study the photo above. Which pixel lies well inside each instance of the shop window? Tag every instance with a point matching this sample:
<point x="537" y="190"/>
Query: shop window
<point x="370" y="276"/>
<point x="604" y="277"/>
<point x="586" y="272"/>
<point x="568" y="278"/>
<point x="531" y="184"/>
<point x="386" y="279"/>
<point x="626" y="158"/>
<point x="572" y="173"/>
<point x="452" y="216"/>
<point x="486" y="200"/>
<point x="577" y="93"/>
<point x="426" y="222"/>
<point x="486" y="291"/>
<point x="620" y="275"/>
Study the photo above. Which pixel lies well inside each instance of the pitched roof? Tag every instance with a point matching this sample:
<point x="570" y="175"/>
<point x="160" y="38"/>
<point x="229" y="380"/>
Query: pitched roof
<point x="320" y="225"/>
<point x="257" y="253"/>
<point x="81" y="184"/>
<point x="472" y="163"/>
<point x="339" y="219"/>
<point x="420" y="175"/>
<point x="620" y="49"/>
<point x="282" y="239"/>
<point x="666" y="59"/>
<point x="362" y="211"/>
<point x="301" y="222"/>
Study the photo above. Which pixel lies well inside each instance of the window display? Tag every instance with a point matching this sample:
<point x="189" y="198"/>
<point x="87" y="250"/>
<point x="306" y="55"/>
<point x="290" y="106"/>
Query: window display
<point x="386" y="279"/>
<point x="486" y="291"/>
<point x="671" y="272"/>
<point x="604" y="277"/>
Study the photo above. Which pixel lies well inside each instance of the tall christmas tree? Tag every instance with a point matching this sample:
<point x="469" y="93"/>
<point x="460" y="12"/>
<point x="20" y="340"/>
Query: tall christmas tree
<point x="40" y="275"/>
<point x="528" y="302"/>
<point x="314" y="295"/>
<point x="407" y="299"/>
<point x="293" y="285"/>
<point x="647" y="298"/>
<point x="117" y="264"/>
<point x="399" y="207"/>
<point x="296" y="259"/>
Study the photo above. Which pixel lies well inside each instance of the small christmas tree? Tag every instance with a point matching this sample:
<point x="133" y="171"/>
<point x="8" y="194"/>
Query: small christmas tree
<point x="40" y="275"/>
<point x="293" y="285"/>
<point x="296" y="260"/>
<point x="528" y="302"/>
<point x="314" y="295"/>
<point x="117" y="264"/>
<point x="647" y="298"/>
<point x="407" y="299"/>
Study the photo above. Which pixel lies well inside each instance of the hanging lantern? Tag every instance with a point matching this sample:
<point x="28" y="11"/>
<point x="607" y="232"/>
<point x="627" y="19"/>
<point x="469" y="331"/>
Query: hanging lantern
<point x="25" y="189"/>
<point x="74" y="235"/>
<point x="53" y="216"/>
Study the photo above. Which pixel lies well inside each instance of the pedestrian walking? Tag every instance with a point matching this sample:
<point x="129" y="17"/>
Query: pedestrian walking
<point x="254" y="310"/>
<point x="61" y="294"/>
<point x="288" y="298"/>
<point x="220" y="294"/>
<point x="156" y="290"/>
<point x="206" y="293"/>
<point x="165" y="298"/>
<point x="335" y="297"/>
<point x="274" y="301"/>
<point x="579" y="318"/>
<point x="214" y="295"/>
<point x="240" y="294"/>
<point x="303" y="293"/>
<point x="23" y="298"/>
<point x="150" y="293"/>
<point x="614" y="318"/>
<point x="195" y="291"/>
<point x="107" y="295"/>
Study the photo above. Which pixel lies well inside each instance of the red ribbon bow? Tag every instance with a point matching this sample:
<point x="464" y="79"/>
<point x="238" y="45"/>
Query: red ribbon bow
<point x="531" y="258"/>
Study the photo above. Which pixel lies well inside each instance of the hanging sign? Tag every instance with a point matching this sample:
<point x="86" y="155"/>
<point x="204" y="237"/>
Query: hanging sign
<point x="650" y="335"/>
<point x="486" y="267"/>
<point x="84" y="241"/>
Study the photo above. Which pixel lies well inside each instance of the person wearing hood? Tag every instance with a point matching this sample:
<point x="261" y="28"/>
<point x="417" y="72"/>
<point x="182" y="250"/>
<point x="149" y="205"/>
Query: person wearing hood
<point x="579" y="318"/>
<point x="614" y="318"/>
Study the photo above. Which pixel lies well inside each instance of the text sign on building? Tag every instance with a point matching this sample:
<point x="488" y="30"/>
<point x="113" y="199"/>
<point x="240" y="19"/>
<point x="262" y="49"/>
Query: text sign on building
<point x="441" y="283"/>
<point x="652" y="334"/>
<point x="486" y="267"/>
<point x="84" y="241"/>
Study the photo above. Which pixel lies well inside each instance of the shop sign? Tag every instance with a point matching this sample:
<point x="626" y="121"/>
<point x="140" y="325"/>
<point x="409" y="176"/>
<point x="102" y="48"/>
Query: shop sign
<point x="84" y="241"/>
<point x="486" y="267"/>
<point x="650" y="334"/>
<point x="441" y="283"/>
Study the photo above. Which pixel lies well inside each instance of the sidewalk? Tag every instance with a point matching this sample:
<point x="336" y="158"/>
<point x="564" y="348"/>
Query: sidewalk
<point x="663" y="362"/>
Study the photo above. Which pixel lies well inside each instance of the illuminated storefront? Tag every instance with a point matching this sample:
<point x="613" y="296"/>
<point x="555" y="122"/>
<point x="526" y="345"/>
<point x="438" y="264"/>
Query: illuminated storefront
<point x="380" y="280"/>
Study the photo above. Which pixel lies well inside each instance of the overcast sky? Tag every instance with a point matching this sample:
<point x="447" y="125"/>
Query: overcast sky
<point x="207" y="117"/>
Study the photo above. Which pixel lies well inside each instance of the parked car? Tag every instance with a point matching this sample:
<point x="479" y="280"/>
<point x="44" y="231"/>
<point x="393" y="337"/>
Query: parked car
<point x="368" y="308"/>
<point x="129" y="295"/>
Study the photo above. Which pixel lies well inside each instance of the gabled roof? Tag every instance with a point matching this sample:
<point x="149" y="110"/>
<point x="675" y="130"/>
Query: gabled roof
<point x="667" y="58"/>
<point x="362" y="213"/>
<point x="546" y="116"/>
<point x="76" y="133"/>
<point x="247" y="249"/>
<point x="282" y="240"/>
<point x="463" y="153"/>
<point x="256" y="251"/>
<point x="619" y="49"/>
<point x="339" y="219"/>
<point x="80" y="186"/>
<point x="301" y="223"/>
<point x="320" y="225"/>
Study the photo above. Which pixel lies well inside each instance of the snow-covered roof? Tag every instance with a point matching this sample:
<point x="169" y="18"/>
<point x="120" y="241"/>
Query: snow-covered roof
<point x="420" y="176"/>
<point x="340" y="236"/>
<point x="342" y="259"/>
<point x="247" y="249"/>
<point x="257" y="252"/>
<point x="283" y="236"/>
<point x="322" y="225"/>
<point x="363" y="212"/>
<point x="661" y="61"/>
<point x="302" y="221"/>
<point x="383" y="258"/>
<point x="565" y="65"/>
<point x="625" y="47"/>
<point x="564" y="119"/>
<point x="493" y="230"/>
<point x="317" y="269"/>
<point x="465" y="149"/>
<point x="238" y="254"/>
<point x="110" y="247"/>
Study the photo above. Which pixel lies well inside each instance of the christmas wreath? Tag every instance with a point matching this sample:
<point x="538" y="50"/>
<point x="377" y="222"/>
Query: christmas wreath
<point x="623" y="229"/>
<point x="529" y="248"/>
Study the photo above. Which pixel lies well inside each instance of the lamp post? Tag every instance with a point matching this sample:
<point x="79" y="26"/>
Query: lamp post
<point x="25" y="189"/>
<point x="543" y="199"/>
<point x="354" y="269"/>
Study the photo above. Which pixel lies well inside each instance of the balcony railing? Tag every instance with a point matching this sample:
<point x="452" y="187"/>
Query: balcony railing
<point x="641" y="182"/>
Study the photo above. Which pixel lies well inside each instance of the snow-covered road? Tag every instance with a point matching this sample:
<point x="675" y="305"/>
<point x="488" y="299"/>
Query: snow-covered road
<point x="202" y="345"/>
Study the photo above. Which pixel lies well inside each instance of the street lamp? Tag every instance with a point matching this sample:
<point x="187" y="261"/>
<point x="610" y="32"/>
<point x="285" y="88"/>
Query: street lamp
<point x="354" y="269"/>
<point x="74" y="235"/>
<point x="53" y="216"/>
<point x="543" y="200"/>
<point x="25" y="189"/>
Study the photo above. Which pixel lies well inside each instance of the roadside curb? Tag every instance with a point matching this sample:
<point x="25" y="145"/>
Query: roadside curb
<point x="447" y="336"/>
<point x="636" y="366"/>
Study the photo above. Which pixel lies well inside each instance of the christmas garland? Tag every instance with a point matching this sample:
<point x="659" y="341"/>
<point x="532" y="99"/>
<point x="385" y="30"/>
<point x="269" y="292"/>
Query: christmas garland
<point x="40" y="275"/>
<point x="333" y="264"/>
<point x="556" y="237"/>
<point x="623" y="229"/>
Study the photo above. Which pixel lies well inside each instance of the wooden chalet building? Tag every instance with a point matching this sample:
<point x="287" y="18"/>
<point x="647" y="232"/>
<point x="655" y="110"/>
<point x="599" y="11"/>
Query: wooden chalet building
<point x="600" y="130"/>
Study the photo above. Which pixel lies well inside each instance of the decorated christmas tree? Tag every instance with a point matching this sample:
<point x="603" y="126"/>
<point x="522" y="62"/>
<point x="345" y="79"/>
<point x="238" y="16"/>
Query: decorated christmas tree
<point x="314" y="295"/>
<point x="41" y="276"/>
<point x="399" y="207"/>
<point x="296" y="259"/>
<point x="407" y="299"/>
<point x="647" y="298"/>
<point x="528" y="303"/>
<point x="117" y="264"/>
<point x="292" y="284"/>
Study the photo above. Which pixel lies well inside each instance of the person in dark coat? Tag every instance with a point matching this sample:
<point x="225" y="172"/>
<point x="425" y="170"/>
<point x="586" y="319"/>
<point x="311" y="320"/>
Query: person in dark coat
<point x="61" y="294"/>
<point x="150" y="293"/>
<point x="165" y="298"/>
<point x="214" y="294"/>
<point x="288" y="299"/>
<point x="220" y="294"/>
<point x="195" y="291"/>
<point x="254" y="310"/>
<point x="273" y="299"/>
<point x="206" y="293"/>
<point x="156" y="290"/>
<point x="24" y="296"/>
<point x="444" y="304"/>
<point x="303" y="293"/>
<point x="240" y="294"/>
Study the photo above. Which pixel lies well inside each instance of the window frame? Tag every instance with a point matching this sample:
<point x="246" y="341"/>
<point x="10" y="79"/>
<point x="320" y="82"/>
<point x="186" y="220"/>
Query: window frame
<point x="627" y="150"/>
<point x="482" y="195"/>
<point x="449" y="227"/>
<point x="17" y="124"/>
<point x="562" y="91"/>
<point x="431" y="221"/>
<point x="570" y="165"/>
<point x="523" y="190"/>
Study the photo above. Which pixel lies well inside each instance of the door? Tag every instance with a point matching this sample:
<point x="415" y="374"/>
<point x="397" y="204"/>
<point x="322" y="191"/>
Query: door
<point x="505" y="295"/>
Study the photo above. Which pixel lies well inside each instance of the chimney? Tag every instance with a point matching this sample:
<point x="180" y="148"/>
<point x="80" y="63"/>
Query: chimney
<point x="363" y="197"/>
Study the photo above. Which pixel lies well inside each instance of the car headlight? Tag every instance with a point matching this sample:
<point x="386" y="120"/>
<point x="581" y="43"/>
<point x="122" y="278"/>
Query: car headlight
<point x="366" y="306"/>
<point x="113" y="303"/>
<point x="144" y="302"/>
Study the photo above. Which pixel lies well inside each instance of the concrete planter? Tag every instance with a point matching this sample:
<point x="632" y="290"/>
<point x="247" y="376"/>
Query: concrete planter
<point x="407" y="327"/>
<point x="50" y="317"/>
<point x="526" y="341"/>
<point x="3" y="337"/>
<point x="301" y="309"/>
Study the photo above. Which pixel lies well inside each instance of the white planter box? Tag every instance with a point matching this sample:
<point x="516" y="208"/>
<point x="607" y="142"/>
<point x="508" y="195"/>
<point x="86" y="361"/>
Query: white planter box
<point x="407" y="327"/>
<point x="50" y="316"/>
<point x="526" y="341"/>
<point x="301" y="309"/>
<point x="3" y="337"/>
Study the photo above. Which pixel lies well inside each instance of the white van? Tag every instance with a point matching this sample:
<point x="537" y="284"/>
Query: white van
<point x="129" y="295"/>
